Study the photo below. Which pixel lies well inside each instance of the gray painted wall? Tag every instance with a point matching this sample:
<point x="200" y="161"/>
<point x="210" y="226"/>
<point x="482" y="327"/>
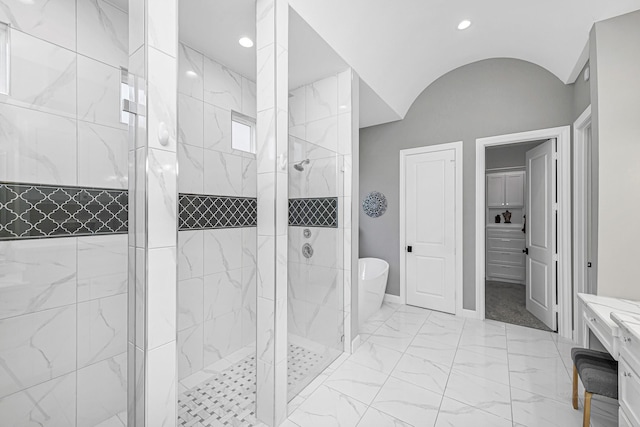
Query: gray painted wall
<point x="616" y="88"/>
<point x="486" y="98"/>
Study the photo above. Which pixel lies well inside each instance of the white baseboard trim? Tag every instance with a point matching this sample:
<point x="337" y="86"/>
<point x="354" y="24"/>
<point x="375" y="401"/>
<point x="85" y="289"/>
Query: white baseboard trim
<point x="471" y="314"/>
<point x="355" y="344"/>
<point x="395" y="299"/>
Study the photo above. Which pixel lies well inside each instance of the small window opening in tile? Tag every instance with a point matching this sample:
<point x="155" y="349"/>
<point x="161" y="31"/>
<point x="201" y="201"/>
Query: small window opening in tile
<point x="4" y="58"/>
<point x="243" y="133"/>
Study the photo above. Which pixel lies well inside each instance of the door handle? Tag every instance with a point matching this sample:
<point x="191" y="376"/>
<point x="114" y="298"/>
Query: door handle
<point x="525" y="251"/>
<point x="409" y="249"/>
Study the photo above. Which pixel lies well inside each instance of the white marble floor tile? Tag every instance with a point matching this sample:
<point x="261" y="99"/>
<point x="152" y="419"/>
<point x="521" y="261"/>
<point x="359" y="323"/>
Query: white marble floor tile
<point x="357" y="381"/>
<point x="385" y="312"/>
<point x="432" y="350"/>
<point x="480" y="393"/>
<point x="370" y="326"/>
<point x="532" y="347"/>
<point x="375" y="356"/>
<point x="532" y="410"/>
<point x="422" y="372"/>
<point x="455" y="414"/>
<point x="443" y="334"/>
<point x="409" y="403"/>
<point x="388" y="337"/>
<point x="546" y="376"/>
<point x="327" y="407"/>
<point x="491" y="368"/>
<point x="375" y="418"/>
<point x="406" y="322"/>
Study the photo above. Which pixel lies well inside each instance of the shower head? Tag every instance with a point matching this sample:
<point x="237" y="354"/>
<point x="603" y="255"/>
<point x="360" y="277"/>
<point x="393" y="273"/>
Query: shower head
<point x="300" y="165"/>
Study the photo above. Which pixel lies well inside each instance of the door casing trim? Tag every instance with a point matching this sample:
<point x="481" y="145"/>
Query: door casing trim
<point x="457" y="147"/>
<point x="564" y="283"/>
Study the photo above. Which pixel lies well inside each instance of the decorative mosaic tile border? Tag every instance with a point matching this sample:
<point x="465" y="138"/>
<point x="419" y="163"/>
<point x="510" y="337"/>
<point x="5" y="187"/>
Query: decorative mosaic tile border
<point x="199" y="212"/>
<point x="30" y="211"/>
<point x="316" y="212"/>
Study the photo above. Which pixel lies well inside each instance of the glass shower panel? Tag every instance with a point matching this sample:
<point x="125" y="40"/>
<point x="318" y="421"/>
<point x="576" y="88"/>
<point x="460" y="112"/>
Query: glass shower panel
<point x="217" y="216"/>
<point x="316" y="239"/>
<point x="63" y="215"/>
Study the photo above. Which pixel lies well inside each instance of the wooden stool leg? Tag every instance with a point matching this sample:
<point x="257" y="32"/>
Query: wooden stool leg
<point x="587" y="409"/>
<point x="575" y="387"/>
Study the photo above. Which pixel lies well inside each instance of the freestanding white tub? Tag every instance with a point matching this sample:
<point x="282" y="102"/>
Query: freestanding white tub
<point x="372" y="283"/>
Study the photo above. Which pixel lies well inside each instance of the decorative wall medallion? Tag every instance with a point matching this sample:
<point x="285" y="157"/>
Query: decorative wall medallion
<point x="375" y="204"/>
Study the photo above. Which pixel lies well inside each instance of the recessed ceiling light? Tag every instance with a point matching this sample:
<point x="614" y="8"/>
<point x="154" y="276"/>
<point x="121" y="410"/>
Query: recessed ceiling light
<point x="463" y="25"/>
<point x="191" y="74"/>
<point x="245" y="42"/>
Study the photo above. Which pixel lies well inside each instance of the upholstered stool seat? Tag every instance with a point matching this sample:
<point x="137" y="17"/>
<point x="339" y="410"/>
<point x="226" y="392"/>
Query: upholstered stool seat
<point x="599" y="374"/>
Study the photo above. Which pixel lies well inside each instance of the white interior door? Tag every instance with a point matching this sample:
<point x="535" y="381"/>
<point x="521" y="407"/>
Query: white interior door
<point x="540" y="234"/>
<point x="430" y="224"/>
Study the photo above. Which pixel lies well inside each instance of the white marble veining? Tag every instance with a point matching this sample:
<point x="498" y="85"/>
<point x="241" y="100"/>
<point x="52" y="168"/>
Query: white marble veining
<point x="222" y="250"/>
<point x="36" y="275"/>
<point x="102" y="266"/>
<point x="99" y="92"/>
<point x="191" y="125"/>
<point x="222" y="86"/>
<point x="630" y="322"/>
<point x="191" y="165"/>
<point x="102" y="156"/>
<point x="190" y="254"/>
<point x="102" y="32"/>
<point x="161" y="382"/>
<point x="162" y="100"/>
<point x="48" y="85"/>
<point x="102" y="390"/>
<point x="190" y="303"/>
<point x="102" y="329"/>
<point x="54" y="21"/>
<point x="190" y="350"/>
<point x="222" y="336"/>
<point x="217" y="129"/>
<point x="190" y="72"/>
<point x="49" y="403"/>
<point x="431" y="390"/>
<point x="327" y="407"/>
<point x="322" y="99"/>
<point x="222" y="173"/>
<point x="222" y="293"/>
<point x="36" y="347"/>
<point x="37" y="147"/>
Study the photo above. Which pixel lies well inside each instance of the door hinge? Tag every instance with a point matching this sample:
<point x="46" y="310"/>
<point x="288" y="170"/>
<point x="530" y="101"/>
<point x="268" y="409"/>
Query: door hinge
<point x="556" y="207"/>
<point x="131" y="94"/>
<point x="556" y="257"/>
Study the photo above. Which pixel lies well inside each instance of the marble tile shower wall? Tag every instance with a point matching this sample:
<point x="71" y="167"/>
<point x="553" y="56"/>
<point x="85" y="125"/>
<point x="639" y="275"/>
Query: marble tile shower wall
<point x="63" y="300"/>
<point x="216" y="267"/>
<point x="319" y="287"/>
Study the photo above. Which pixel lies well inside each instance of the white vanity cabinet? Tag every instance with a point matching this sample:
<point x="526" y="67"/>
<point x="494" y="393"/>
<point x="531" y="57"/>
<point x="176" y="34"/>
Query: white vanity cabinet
<point x="629" y="379"/>
<point x="505" y="189"/>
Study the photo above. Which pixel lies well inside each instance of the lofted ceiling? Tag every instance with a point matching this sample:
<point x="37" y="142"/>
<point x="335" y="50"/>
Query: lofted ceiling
<point x="400" y="48"/>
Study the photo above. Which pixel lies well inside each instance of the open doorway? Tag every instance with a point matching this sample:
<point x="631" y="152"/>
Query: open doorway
<point x="523" y="229"/>
<point x="507" y="178"/>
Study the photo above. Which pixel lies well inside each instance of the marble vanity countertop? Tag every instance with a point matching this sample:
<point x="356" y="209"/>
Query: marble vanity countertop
<point x="606" y="306"/>
<point x="630" y="322"/>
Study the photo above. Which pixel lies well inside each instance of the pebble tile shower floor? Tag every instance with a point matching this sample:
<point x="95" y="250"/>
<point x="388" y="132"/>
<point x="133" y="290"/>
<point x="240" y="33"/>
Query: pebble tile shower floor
<point x="229" y="398"/>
